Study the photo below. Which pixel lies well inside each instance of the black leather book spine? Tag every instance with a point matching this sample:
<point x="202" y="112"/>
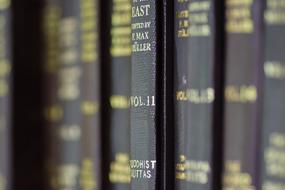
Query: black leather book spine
<point x="197" y="57"/>
<point x="118" y="103"/>
<point x="52" y="111"/>
<point x="90" y="174"/>
<point x="243" y="62"/>
<point x="5" y="95"/>
<point x="144" y="113"/>
<point x="69" y="95"/>
<point x="273" y="131"/>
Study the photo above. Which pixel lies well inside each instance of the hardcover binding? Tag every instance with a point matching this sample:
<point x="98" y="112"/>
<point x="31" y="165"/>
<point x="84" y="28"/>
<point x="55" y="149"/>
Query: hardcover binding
<point x="52" y="112"/>
<point x="181" y="84"/>
<point x="69" y="130"/>
<point x="90" y="174"/>
<point x="198" y="64"/>
<point x="242" y="94"/>
<point x="144" y="117"/>
<point x="5" y="95"/>
<point x="151" y="91"/>
<point x="118" y="102"/>
<point x="273" y="132"/>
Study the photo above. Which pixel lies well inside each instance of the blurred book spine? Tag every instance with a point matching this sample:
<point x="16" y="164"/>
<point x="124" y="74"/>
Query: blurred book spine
<point x="198" y="61"/>
<point x="120" y="87"/>
<point x="5" y="94"/>
<point x="68" y="134"/>
<point x="181" y="85"/>
<point x="90" y="174"/>
<point x="273" y="131"/>
<point x="243" y="58"/>
<point x="52" y="111"/>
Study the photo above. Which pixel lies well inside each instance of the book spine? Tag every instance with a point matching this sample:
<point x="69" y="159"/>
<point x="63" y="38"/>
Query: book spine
<point x="120" y="75"/>
<point x="144" y="113"/>
<point x="195" y="94"/>
<point x="273" y="132"/>
<point x="181" y="85"/>
<point x="52" y="111"/>
<point x="5" y="95"/>
<point x="68" y="132"/>
<point x="90" y="174"/>
<point x="242" y="94"/>
<point x="200" y="95"/>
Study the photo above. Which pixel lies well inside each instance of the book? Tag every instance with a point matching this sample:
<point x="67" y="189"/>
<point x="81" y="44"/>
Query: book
<point x="151" y="159"/>
<point x="90" y="174"/>
<point x="181" y="85"/>
<point x="243" y="62"/>
<point x="198" y="69"/>
<point x="118" y="102"/>
<point x="52" y="111"/>
<point x="69" y="97"/>
<point x="273" y="133"/>
<point x="144" y="113"/>
<point x="5" y="95"/>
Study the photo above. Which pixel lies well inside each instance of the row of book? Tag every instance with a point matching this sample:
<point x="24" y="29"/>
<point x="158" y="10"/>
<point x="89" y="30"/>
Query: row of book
<point x="142" y="94"/>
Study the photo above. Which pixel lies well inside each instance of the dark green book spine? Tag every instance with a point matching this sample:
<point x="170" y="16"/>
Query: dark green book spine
<point x="144" y="113"/>
<point x="69" y="95"/>
<point x="120" y="83"/>
<point x="90" y="174"/>
<point x="243" y="62"/>
<point x="52" y="111"/>
<point x="5" y="95"/>
<point x="273" y="132"/>
<point x="196" y="60"/>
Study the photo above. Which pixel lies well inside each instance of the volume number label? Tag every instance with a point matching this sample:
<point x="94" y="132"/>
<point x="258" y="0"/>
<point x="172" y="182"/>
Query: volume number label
<point x="142" y="101"/>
